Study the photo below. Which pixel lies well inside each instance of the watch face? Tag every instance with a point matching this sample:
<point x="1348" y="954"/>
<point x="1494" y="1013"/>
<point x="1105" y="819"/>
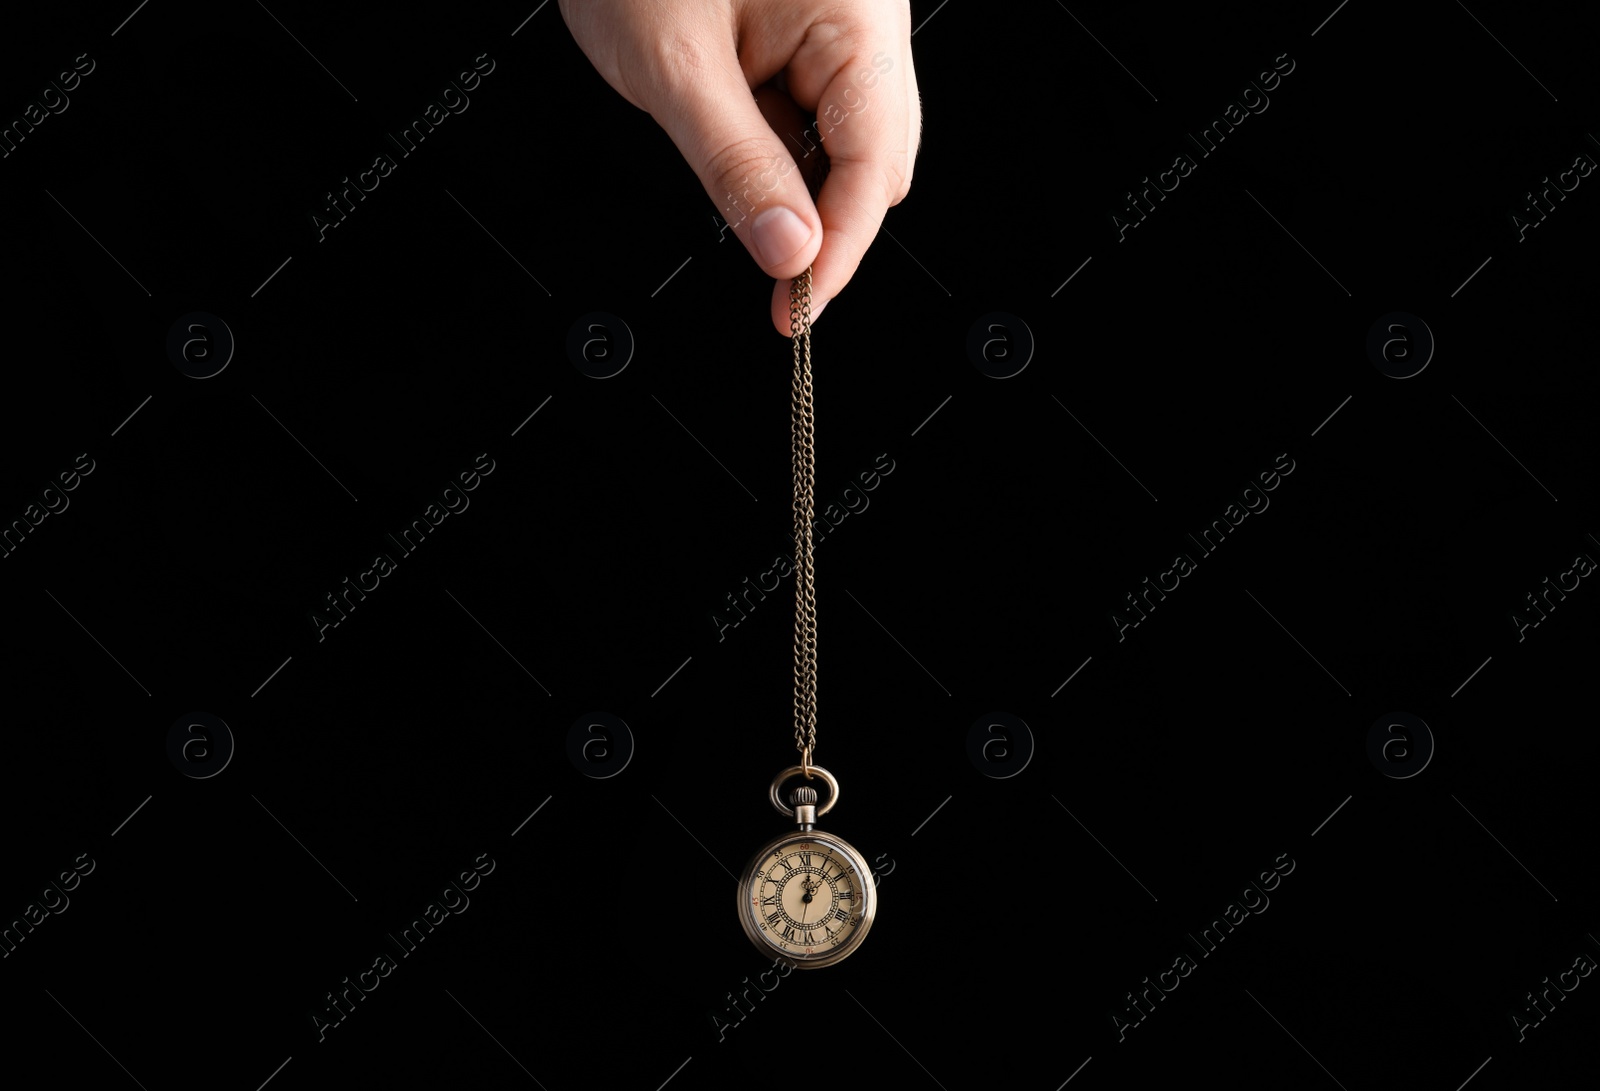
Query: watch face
<point x="807" y="896"/>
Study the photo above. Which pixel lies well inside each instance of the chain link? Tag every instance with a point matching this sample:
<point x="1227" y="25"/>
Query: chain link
<point x="803" y="427"/>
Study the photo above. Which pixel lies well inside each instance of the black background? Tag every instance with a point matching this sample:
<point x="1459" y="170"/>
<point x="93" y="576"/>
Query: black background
<point x="1177" y="763"/>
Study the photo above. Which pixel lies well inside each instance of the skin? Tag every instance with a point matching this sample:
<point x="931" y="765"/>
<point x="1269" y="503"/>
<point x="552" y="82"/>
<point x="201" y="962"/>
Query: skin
<point x="733" y="83"/>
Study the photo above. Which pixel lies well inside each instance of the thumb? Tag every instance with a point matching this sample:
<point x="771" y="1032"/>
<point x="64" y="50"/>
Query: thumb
<point x="705" y="104"/>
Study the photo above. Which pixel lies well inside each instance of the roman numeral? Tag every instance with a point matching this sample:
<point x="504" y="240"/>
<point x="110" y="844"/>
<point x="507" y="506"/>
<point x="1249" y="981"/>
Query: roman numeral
<point x="807" y="939"/>
<point x="805" y="859"/>
<point x="841" y="914"/>
<point x="774" y="917"/>
<point x="829" y="934"/>
<point x="788" y="932"/>
<point x="787" y="866"/>
<point x="771" y="899"/>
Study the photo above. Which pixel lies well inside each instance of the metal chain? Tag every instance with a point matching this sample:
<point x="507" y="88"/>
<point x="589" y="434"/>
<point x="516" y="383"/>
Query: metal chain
<point x="803" y="425"/>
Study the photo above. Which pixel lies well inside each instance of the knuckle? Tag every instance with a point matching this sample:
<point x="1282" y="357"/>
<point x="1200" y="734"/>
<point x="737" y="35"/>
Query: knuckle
<point x="660" y="62"/>
<point x="744" y="170"/>
<point x="839" y="26"/>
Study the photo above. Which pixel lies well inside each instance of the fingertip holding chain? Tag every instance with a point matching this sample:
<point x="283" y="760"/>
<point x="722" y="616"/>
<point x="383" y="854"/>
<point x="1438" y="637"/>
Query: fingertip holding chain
<point x="803" y="428"/>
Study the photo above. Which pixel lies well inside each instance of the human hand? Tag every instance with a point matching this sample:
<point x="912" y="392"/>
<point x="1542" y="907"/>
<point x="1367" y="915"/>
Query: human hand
<point x="728" y="79"/>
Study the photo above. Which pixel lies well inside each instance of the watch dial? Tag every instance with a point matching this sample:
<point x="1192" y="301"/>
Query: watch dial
<point x="807" y="898"/>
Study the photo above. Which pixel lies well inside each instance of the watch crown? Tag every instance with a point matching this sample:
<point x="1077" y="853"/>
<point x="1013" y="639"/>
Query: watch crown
<point x="802" y="796"/>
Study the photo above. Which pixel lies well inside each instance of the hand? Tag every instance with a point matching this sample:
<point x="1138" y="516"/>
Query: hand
<point x="727" y="80"/>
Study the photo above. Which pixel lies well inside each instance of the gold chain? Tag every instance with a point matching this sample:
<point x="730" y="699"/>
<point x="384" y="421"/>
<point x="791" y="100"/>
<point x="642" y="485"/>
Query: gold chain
<point x="803" y="425"/>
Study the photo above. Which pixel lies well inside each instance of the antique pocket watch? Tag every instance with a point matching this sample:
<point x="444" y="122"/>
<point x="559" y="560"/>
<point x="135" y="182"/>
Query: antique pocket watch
<point x="806" y="896"/>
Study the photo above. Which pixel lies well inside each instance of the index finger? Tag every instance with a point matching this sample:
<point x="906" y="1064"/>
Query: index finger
<point x="868" y="125"/>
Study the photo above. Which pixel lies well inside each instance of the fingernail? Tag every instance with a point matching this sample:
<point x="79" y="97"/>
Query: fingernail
<point x="779" y="234"/>
<point x="816" y="312"/>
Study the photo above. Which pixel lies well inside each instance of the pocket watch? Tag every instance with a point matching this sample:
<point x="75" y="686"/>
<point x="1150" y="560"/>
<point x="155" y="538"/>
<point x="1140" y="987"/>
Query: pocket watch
<point x="806" y="896"/>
